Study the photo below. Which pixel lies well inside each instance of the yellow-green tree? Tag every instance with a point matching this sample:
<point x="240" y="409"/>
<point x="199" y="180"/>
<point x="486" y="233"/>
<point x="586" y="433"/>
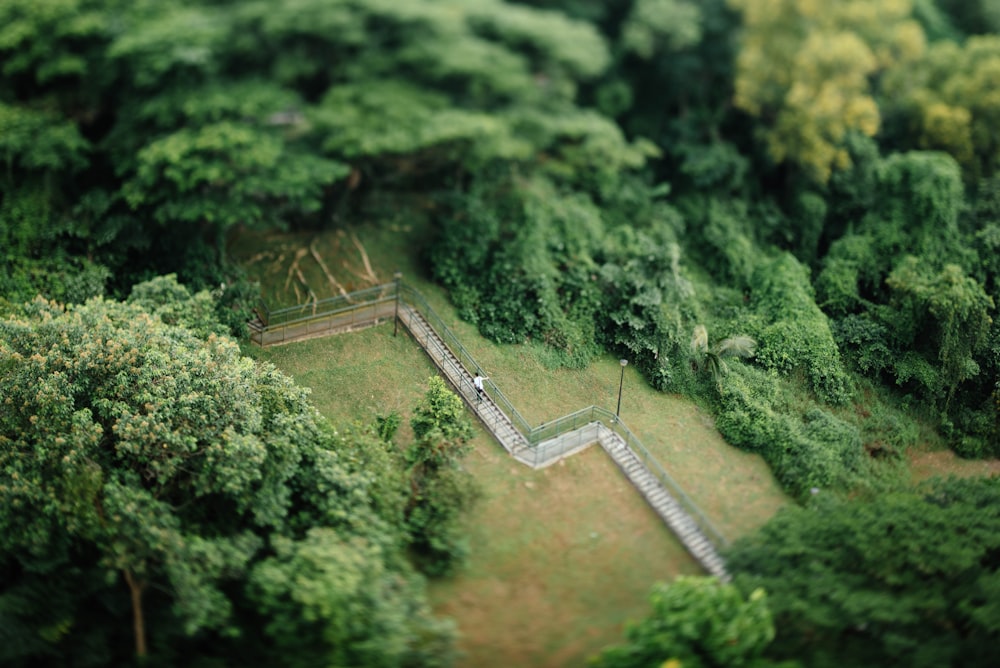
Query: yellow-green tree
<point x="950" y="101"/>
<point x="805" y="68"/>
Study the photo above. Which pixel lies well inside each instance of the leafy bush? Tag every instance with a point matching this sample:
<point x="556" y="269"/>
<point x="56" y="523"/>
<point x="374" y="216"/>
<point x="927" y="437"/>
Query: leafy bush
<point x="812" y="450"/>
<point x="795" y="334"/>
<point x="516" y="258"/>
<point x="728" y="249"/>
<point x="696" y="621"/>
<point x="440" y="541"/>
<point x="527" y="260"/>
<point x="866" y="340"/>
<point x="850" y="270"/>
<point x="440" y="491"/>
<point x="387" y="425"/>
<point x="980" y="429"/>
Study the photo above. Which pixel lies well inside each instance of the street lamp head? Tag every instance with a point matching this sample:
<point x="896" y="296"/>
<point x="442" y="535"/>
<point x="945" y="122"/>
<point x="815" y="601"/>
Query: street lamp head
<point x="623" y="362"/>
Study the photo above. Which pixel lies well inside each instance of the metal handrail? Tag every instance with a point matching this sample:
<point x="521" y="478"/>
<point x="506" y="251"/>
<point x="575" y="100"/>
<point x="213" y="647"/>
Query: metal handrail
<point x="561" y="425"/>
<point x="320" y="308"/>
<point x="653" y="465"/>
<point x="333" y="312"/>
<point x="418" y="302"/>
<point x="263" y="312"/>
<point x="567" y="423"/>
<point x="532" y="435"/>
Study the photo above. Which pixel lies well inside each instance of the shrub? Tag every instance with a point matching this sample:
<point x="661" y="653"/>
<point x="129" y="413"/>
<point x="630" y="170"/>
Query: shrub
<point x="849" y="269"/>
<point x="812" y="450"/>
<point x="439" y="539"/>
<point x="796" y="335"/>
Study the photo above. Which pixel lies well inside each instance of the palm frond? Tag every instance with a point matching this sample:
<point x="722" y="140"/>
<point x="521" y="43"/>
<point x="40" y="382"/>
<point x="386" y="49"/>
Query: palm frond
<point x="699" y="339"/>
<point x="740" y="345"/>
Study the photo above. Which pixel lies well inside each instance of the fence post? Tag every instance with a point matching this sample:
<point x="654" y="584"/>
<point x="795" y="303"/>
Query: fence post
<point x="395" y="318"/>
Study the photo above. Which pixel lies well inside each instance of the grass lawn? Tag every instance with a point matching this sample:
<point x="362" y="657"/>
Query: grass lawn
<point x="562" y="557"/>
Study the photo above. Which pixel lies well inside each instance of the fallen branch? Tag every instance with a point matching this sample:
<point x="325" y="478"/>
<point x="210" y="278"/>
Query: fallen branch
<point x="333" y="281"/>
<point x="294" y="267"/>
<point x="263" y="255"/>
<point x="364" y="258"/>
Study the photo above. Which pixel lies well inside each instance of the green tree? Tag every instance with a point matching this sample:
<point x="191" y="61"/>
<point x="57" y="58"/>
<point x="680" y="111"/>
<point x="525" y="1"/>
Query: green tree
<point x="905" y="578"/>
<point x="227" y="174"/>
<point x="661" y="25"/>
<point x="696" y="622"/>
<point x="149" y="472"/>
<point x="949" y="310"/>
<point x="440" y="490"/>
<point x="52" y="49"/>
<point x="330" y="599"/>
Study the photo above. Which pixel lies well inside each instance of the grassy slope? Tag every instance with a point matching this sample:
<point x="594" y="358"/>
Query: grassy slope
<point x="560" y="557"/>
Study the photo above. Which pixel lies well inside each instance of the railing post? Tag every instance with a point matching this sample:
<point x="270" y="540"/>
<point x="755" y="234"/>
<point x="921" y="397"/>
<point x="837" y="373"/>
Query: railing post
<point x="395" y="318"/>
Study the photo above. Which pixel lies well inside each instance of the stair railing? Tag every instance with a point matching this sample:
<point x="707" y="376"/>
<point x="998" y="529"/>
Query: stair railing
<point x="460" y="360"/>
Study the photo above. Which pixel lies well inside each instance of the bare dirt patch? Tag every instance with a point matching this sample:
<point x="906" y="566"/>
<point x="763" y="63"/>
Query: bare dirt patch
<point x="945" y="463"/>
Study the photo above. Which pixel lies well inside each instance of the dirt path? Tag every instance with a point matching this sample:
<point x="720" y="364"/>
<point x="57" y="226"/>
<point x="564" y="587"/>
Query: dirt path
<point x="925" y="465"/>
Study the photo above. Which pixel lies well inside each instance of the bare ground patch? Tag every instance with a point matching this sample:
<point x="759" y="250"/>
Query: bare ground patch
<point x="945" y="463"/>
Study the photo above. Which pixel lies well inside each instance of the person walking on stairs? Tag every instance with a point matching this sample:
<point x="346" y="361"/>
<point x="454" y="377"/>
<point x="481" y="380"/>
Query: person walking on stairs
<point x="478" y="382"/>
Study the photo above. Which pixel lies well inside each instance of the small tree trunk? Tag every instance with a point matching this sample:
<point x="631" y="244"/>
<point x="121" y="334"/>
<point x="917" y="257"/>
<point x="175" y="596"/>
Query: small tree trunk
<point x="138" y="623"/>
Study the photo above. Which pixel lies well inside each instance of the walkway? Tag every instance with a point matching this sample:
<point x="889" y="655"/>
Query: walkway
<point x="566" y="444"/>
<point x="569" y="434"/>
<point x="486" y="409"/>
<point x="669" y="510"/>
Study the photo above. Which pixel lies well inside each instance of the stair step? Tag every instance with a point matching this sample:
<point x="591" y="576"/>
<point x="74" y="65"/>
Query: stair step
<point x="631" y="465"/>
<point x="658" y="497"/>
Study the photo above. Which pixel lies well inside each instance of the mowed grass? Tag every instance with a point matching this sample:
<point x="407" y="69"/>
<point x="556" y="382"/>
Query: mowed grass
<point x="561" y="557"/>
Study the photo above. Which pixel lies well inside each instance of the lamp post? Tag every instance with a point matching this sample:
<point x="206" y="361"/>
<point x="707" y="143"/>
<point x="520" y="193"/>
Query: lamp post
<point x="621" y="380"/>
<point x="395" y="316"/>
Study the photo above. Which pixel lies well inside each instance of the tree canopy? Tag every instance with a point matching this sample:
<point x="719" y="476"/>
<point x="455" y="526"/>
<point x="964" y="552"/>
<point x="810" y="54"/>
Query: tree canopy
<point x="907" y="578"/>
<point x="697" y="622"/>
<point x="580" y="176"/>
<point x="153" y="479"/>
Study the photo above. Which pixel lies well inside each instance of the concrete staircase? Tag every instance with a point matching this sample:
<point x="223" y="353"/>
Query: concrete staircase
<point x="485" y="409"/>
<point x="672" y="513"/>
<point x="547" y="452"/>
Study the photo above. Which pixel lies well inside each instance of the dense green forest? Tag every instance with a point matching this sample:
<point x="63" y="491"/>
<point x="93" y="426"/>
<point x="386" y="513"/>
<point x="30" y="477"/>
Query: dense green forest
<point x="788" y="210"/>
